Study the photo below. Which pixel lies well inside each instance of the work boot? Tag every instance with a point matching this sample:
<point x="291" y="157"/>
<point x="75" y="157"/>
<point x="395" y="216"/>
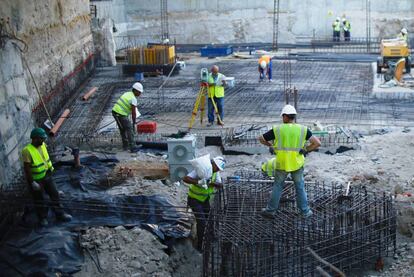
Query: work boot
<point x="268" y="213"/>
<point x="65" y="217"/>
<point x="134" y="149"/>
<point x="308" y="214"/>
<point x="209" y="124"/>
<point x="43" y="222"/>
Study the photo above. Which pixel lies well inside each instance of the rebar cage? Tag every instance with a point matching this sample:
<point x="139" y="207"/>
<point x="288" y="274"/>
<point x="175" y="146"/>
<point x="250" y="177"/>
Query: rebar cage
<point x="348" y="231"/>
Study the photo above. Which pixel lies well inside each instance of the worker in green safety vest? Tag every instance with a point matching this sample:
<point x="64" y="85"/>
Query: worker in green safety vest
<point x="289" y="144"/>
<point x="216" y="82"/>
<point x="38" y="172"/>
<point x="336" y="26"/>
<point x="199" y="194"/>
<point x="125" y="106"/>
<point x="346" y="25"/>
<point x="403" y="35"/>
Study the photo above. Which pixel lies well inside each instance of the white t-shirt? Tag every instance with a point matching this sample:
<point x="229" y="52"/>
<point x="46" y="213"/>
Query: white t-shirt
<point x="133" y="101"/>
<point x="193" y="174"/>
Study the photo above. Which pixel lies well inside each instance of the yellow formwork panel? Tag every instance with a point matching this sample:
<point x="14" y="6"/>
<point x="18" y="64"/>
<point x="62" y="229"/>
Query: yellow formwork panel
<point x="394" y="48"/>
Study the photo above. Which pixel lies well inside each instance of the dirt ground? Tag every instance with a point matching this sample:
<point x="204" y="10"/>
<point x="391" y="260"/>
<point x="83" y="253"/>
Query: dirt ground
<point x="382" y="159"/>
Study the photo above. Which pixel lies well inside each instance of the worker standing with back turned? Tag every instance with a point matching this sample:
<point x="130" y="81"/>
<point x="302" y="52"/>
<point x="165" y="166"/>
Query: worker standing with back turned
<point x="289" y="144"/>
<point x="38" y="172"/>
<point x="126" y="105"/>
<point x="216" y="82"/>
<point x="265" y="67"/>
<point x="347" y="29"/>
<point x="336" y="26"/>
<point x="199" y="195"/>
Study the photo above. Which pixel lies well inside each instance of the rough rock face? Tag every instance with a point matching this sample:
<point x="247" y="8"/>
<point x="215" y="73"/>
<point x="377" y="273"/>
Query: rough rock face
<point x="58" y="38"/>
<point x="102" y="31"/>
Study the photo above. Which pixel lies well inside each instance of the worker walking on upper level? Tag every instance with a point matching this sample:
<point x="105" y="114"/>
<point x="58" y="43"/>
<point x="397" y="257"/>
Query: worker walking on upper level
<point x="216" y="82"/>
<point x="289" y="144"/>
<point x="126" y="105"/>
<point x="265" y="67"/>
<point x="346" y="25"/>
<point x="336" y="26"/>
<point x="38" y="171"/>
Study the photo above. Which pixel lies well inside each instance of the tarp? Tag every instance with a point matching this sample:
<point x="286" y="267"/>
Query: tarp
<point x="33" y="251"/>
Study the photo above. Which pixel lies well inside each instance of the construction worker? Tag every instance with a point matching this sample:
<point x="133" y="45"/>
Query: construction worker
<point x="403" y="35"/>
<point x="38" y="171"/>
<point x="347" y="29"/>
<point x="216" y="82"/>
<point x="289" y="143"/>
<point x="336" y="26"/>
<point x="200" y="193"/>
<point x="265" y="67"/>
<point x="126" y="105"/>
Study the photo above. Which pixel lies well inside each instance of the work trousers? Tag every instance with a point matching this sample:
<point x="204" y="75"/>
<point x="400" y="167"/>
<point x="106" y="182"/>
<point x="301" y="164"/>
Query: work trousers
<point x="41" y="205"/>
<point x="268" y="71"/>
<point x="336" y="35"/>
<point x="201" y="211"/>
<point x="124" y="126"/>
<point x="301" y="197"/>
<point x="347" y="35"/>
<point x="220" y="107"/>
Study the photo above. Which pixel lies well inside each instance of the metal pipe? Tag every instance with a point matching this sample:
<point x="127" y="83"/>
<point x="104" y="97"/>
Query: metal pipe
<point x="59" y="123"/>
<point x="89" y="93"/>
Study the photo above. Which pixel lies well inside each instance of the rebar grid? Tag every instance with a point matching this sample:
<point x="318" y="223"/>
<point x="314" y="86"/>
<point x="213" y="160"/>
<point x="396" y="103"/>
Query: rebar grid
<point x="346" y="230"/>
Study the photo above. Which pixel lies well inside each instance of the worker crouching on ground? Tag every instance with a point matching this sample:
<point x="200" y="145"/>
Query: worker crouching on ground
<point x="216" y="82"/>
<point x="265" y="67"/>
<point x="289" y="145"/>
<point x="126" y="105"/>
<point x="38" y="171"/>
<point x="200" y="193"/>
<point x="336" y="26"/>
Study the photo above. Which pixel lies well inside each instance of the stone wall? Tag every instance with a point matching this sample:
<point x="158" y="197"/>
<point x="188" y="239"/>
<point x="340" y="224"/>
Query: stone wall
<point x="58" y="38"/>
<point x="221" y="21"/>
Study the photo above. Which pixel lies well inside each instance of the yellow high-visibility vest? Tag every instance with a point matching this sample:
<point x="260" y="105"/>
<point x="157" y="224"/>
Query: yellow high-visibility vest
<point x="289" y="139"/>
<point x="217" y="89"/>
<point x="200" y="193"/>
<point x="123" y="106"/>
<point x="38" y="166"/>
<point x="336" y="26"/>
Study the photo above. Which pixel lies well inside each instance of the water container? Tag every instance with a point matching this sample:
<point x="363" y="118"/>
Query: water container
<point x="229" y="82"/>
<point x="139" y="76"/>
<point x="147" y="127"/>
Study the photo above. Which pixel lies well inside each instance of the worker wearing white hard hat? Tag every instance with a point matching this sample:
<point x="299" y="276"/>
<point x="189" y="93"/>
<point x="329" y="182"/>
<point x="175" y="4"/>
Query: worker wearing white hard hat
<point x="265" y="67"/>
<point x="125" y="106"/>
<point x="336" y="26"/>
<point x="403" y="35"/>
<point x="289" y="141"/>
<point x="200" y="193"/>
<point x="346" y="26"/>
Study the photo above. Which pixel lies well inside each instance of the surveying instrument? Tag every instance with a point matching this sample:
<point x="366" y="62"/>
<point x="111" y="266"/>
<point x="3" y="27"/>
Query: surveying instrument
<point x="201" y="100"/>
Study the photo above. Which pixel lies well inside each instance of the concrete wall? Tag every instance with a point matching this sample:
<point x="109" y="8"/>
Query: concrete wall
<point x="220" y="21"/>
<point x="58" y="36"/>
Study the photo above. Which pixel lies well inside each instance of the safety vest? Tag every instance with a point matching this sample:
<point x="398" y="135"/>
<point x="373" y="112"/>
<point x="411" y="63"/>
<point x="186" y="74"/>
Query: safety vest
<point x="347" y="26"/>
<point x="265" y="58"/>
<point x="336" y="26"/>
<point x="217" y="89"/>
<point x="200" y="193"/>
<point x="38" y="166"/>
<point x="123" y="106"/>
<point x="403" y="36"/>
<point x="289" y="139"/>
<point x="269" y="167"/>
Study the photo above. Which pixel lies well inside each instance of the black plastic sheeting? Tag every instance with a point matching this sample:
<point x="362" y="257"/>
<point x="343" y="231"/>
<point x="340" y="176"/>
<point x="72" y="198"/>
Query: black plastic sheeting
<point x="34" y="251"/>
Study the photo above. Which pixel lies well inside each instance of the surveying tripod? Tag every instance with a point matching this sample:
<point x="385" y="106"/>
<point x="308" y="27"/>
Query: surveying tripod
<point x="201" y="103"/>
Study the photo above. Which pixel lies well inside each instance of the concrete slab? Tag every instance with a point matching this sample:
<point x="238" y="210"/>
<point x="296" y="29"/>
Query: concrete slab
<point x="397" y="92"/>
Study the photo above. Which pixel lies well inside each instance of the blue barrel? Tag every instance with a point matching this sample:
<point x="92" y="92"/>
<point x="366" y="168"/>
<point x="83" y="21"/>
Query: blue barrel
<point x="139" y="76"/>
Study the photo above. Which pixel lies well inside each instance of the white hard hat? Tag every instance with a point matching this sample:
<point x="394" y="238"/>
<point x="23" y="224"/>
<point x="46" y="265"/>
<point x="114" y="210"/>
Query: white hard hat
<point x="220" y="162"/>
<point x="166" y="41"/>
<point x="404" y="31"/>
<point x="288" y="109"/>
<point x="263" y="64"/>
<point x="338" y="18"/>
<point x="138" y="86"/>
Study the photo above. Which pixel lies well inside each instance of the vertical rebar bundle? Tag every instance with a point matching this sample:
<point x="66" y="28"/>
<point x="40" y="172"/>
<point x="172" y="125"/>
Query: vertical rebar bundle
<point x="347" y="230"/>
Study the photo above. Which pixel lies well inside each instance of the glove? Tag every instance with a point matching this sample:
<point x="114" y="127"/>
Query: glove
<point x="203" y="183"/>
<point x="303" y="152"/>
<point x="271" y="150"/>
<point x="35" y="186"/>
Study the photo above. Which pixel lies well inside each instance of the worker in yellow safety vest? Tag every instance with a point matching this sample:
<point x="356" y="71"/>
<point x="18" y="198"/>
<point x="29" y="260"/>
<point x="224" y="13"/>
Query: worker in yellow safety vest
<point x="336" y="26"/>
<point x="125" y="106"/>
<point x="38" y="172"/>
<point x="199" y="194"/>
<point x="346" y="25"/>
<point x="216" y="82"/>
<point x="265" y="67"/>
<point x="289" y="141"/>
<point x="403" y="35"/>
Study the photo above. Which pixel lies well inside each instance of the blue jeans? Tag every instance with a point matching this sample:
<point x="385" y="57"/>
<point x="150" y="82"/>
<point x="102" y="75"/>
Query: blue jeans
<point x="220" y="107"/>
<point x="301" y="197"/>
<point x="269" y="71"/>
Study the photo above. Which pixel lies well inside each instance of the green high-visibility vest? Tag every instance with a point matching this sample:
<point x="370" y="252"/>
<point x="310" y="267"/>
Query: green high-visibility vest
<point x="38" y="166"/>
<point x="269" y="167"/>
<point x="123" y="106"/>
<point x="200" y="193"/>
<point x="336" y="26"/>
<point x="289" y="139"/>
<point x="217" y="89"/>
<point x="347" y="26"/>
<point x="403" y="36"/>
